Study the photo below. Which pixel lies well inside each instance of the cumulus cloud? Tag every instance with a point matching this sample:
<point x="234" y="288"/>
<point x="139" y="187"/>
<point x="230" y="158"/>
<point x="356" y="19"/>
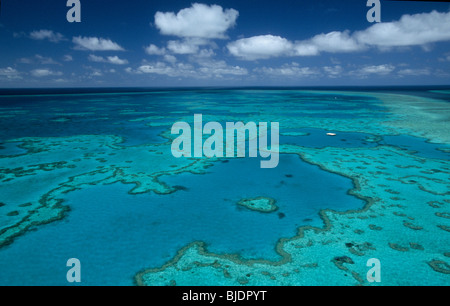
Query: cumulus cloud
<point x="205" y="53"/>
<point x="267" y="46"/>
<point x="179" y="47"/>
<point x="333" y="71"/>
<point x="335" y="42"/>
<point x="200" y="20"/>
<point x="380" y="69"/>
<point x="203" y="69"/>
<point x="110" y="59"/>
<point x="95" y="44"/>
<point x="45" y="72"/>
<point x="170" y="58"/>
<point x="410" y="30"/>
<point x="9" y="73"/>
<point x="47" y="35"/>
<point x="160" y="68"/>
<point x="155" y="50"/>
<point x="260" y="47"/>
<point x="190" y="46"/>
<point x="220" y="68"/>
<point x="95" y="58"/>
<point x="289" y="70"/>
<point x="116" y="60"/>
<point x="373" y="70"/>
<point x="305" y="49"/>
<point x="67" y="58"/>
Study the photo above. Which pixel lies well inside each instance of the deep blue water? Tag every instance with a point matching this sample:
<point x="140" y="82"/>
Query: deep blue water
<point x="317" y="138"/>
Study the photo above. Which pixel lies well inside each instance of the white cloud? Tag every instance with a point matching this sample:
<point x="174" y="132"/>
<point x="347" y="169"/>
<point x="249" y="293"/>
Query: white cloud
<point x="380" y="69"/>
<point x="205" y="53"/>
<point x="260" y="47"/>
<point x="220" y="68"/>
<point x="96" y="74"/>
<point x="116" y="60"/>
<point x="305" y="49"/>
<point x="200" y="20"/>
<point x="335" y="42"/>
<point x="95" y="44"/>
<point x="414" y="72"/>
<point x="10" y="73"/>
<point x="189" y="46"/>
<point x="158" y="68"/>
<point x="373" y="70"/>
<point x="110" y="59"/>
<point x="95" y="58"/>
<point x="154" y="50"/>
<point x="68" y="58"/>
<point x="47" y="35"/>
<point x="410" y="30"/>
<point x="333" y="71"/>
<point x="182" y="47"/>
<point x="203" y="69"/>
<point x="267" y="46"/>
<point x="170" y="58"/>
<point x="180" y="70"/>
<point x="288" y="70"/>
<point x="45" y="72"/>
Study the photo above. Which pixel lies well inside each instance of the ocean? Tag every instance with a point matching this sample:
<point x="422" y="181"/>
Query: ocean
<point x="89" y="174"/>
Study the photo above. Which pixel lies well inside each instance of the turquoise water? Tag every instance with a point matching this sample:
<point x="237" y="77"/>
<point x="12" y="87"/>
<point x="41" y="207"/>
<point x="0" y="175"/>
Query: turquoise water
<point x="133" y="206"/>
<point x="115" y="234"/>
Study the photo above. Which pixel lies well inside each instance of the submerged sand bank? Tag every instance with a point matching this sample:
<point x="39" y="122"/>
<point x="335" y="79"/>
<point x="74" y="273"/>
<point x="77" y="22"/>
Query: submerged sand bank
<point x="425" y="117"/>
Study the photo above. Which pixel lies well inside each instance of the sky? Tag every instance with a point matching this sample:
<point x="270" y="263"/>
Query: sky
<point x="177" y="43"/>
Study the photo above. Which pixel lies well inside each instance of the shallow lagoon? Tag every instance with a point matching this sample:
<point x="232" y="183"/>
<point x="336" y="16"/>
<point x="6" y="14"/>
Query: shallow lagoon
<point x="116" y="234"/>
